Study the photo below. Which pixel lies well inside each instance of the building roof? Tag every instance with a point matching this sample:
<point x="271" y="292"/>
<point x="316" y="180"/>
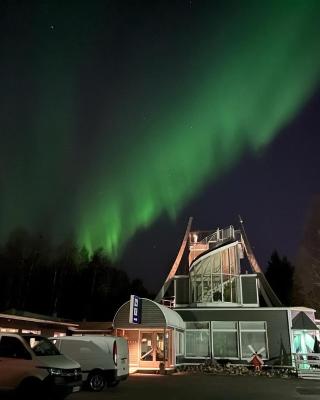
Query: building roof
<point x="302" y="322"/>
<point x="13" y="314"/>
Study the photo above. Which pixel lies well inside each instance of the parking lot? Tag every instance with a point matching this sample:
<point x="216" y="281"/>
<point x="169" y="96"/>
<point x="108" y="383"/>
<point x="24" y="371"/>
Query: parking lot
<point x="196" y="387"/>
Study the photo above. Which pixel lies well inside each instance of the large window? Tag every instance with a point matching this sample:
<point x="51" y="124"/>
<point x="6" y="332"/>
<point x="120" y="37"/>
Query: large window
<point x="253" y="339"/>
<point x="229" y="339"/>
<point x="197" y="339"/>
<point x="179" y="343"/>
<point x="216" y="277"/>
<point x="9" y="330"/>
<point x="225" y="339"/>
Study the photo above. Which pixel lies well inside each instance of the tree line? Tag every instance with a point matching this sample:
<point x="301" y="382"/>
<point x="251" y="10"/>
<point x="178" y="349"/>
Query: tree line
<point x="62" y="280"/>
<point x="66" y="281"/>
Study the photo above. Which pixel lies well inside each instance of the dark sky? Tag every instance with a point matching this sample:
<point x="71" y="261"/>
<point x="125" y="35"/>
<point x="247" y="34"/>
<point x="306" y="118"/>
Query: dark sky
<point x="120" y="119"/>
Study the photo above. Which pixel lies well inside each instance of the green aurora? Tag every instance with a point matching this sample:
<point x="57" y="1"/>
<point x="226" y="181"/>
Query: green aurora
<point x="160" y="129"/>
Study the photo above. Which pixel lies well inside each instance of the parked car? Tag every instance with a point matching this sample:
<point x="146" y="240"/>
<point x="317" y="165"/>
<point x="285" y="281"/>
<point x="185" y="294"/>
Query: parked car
<point x="104" y="360"/>
<point x="32" y="365"/>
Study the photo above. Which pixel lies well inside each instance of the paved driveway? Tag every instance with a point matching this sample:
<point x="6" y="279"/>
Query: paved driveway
<point x="206" y="387"/>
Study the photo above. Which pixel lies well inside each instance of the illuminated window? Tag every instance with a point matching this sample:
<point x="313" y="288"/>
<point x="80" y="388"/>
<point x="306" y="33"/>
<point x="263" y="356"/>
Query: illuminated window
<point x="179" y="343"/>
<point x="216" y="278"/>
<point x="31" y="331"/>
<point x="9" y="330"/>
<point x="197" y="339"/>
<point x="225" y="339"/>
<point x="253" y="339"/>
<point x="59" y="334"/>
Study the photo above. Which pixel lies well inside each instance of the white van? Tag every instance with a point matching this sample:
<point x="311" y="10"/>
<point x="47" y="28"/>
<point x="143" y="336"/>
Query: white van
<point x="32" y="366"/>
<point x="103" y="359"/>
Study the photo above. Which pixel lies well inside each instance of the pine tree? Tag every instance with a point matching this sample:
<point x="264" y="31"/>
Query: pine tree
<point x="280" y="276"/>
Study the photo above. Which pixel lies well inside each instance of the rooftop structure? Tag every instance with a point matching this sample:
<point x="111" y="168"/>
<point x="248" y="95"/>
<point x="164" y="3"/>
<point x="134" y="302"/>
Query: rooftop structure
<point x="214" y="272"/>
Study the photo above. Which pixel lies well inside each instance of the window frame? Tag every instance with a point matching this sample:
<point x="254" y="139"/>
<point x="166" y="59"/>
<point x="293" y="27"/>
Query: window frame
<point x="236" y="330"/>
<point x="180" y="343"/>
<point x="219" y="272"/>
<point x="208" y="330"/>
<point x="264" y="330"/>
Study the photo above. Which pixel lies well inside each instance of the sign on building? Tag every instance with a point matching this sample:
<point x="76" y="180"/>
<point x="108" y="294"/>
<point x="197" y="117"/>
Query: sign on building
<point x="135" y="309"/>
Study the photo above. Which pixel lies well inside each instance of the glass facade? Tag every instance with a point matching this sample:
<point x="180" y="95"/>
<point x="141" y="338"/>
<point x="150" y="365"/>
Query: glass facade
<point x="253" y="339"/>
<point x="229" y="339"/>
<point x="216" y="278"/>
<point x="179" y="343"/>
<point x="197" y="339"/>
<point x="225" y="339"/>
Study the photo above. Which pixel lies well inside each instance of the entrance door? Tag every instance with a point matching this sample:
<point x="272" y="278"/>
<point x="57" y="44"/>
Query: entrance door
<point x="154" y="348"/>
<point x="133" y="345"/>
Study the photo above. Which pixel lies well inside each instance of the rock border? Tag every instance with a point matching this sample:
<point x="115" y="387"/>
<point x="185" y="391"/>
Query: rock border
<point x="236" y="369"/>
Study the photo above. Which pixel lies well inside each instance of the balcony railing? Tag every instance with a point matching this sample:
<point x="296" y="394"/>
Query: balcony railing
<point x="168" y="302"/>
<point x="208" y="237"/>
<point x="202" y="241"/>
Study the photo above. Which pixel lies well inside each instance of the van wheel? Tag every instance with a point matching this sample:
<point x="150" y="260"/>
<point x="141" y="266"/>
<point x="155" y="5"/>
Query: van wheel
<point x="96" y="381"/>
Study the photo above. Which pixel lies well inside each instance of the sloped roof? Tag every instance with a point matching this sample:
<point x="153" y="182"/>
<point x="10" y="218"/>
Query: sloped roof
<point x="27" y="314"/>
<point x="37" y="319"/>
<point x="302" y="322"/>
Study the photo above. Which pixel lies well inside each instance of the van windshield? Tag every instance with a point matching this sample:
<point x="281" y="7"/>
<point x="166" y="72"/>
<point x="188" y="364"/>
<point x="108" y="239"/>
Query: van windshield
<point x="41" y="346"/>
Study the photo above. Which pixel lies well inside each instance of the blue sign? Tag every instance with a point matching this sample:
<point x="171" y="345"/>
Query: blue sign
<point x="135" y="309"/>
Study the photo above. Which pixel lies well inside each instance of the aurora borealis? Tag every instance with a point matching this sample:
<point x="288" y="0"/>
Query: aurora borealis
<point x="115" y="113"/>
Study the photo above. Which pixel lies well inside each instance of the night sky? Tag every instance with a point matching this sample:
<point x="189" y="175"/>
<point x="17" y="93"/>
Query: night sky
<point x="120" y="119"/>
